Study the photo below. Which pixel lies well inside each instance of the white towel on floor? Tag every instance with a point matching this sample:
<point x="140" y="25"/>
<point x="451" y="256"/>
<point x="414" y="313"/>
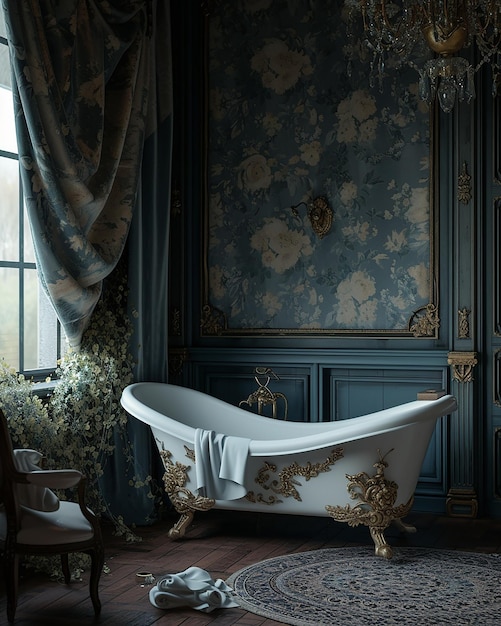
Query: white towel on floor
<point x="220" y="462"/>
<point x="194" y="588"/>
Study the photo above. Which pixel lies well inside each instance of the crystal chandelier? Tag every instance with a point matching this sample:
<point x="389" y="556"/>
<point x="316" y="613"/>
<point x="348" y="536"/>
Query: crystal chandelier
<point x="446" y="26"/>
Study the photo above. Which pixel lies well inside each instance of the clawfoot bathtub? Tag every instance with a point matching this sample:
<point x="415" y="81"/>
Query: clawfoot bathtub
<point x="362" y="470"/>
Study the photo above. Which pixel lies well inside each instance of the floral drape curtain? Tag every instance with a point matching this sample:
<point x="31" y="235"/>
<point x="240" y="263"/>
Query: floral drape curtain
<point x="82" y="75"/>
<point x="147" y="250"/>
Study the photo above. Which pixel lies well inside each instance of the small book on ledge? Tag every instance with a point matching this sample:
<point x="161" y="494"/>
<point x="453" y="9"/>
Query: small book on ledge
<point x="431" y="394"/>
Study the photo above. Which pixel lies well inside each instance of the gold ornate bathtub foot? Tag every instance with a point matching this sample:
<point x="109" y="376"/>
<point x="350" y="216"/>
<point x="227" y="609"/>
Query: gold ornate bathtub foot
<point x="179" y="529"/>
<point x="182" y="499"/>
<point x="381" y="547"/>
<point x="376" y="508"/>
<point x="403" y="527"/>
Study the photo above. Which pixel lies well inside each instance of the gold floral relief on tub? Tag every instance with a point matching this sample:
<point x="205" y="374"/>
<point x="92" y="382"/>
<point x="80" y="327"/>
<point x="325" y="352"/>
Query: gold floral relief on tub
<point x="376" y="507"/>
<point x="183" y="500"/>
<point x="285" y="481"/>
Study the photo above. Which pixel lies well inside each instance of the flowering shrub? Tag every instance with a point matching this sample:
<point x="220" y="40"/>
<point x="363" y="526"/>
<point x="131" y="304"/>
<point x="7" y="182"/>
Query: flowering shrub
<point x="74" y="427"/>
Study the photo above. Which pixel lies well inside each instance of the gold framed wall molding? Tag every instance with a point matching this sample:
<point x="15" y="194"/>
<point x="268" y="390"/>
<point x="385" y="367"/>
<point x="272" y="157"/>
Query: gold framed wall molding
<point x="496" y="260"/>
<point x="273" y="140"/>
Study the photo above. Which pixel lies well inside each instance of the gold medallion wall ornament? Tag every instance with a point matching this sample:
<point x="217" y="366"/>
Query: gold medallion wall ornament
<point x="425" y="321"/>
<point x="284" y="483"/>
<point x="376" y="508"/>
<point x="321" y="216"/>
<point x="213" y="321"/>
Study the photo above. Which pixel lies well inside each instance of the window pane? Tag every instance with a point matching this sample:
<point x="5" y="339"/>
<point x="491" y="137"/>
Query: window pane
<point x="8" y="139"/>
<point x="30" y="320"/>
<point x="3" y="30"/>
<point x="9" y="315"/>
<point x="9" y="211"/>
<point x="46" y="346"/>
<point x="29" y="252"/>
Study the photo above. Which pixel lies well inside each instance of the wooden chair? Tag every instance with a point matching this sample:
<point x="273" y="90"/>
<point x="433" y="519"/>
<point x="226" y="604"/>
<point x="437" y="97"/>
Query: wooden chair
<point x="72" y="527"/>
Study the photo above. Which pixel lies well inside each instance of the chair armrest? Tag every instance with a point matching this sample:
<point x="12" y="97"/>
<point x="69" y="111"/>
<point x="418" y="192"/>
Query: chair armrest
<point x="54" y="479"/>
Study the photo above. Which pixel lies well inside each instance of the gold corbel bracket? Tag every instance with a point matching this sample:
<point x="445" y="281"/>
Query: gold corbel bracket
<point x="462" y="364"/>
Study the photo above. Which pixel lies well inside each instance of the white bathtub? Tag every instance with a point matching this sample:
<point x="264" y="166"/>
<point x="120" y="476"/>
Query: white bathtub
<point x="362" y="470"/>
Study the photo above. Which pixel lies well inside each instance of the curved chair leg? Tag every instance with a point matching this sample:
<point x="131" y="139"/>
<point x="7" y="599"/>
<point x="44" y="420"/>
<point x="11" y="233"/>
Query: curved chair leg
<point x="97" y="564"/>
<point x="11" y="582"/>
<point x="66" y="568"/>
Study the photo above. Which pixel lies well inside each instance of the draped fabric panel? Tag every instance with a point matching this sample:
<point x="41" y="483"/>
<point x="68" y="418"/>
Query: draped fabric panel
<point x="147" y="251"/>
<point x="93" y="101"/>
<point x="81" y="78"/>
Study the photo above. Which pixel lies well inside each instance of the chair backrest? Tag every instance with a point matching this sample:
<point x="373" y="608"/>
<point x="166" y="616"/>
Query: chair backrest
<point x="8" y="491"/>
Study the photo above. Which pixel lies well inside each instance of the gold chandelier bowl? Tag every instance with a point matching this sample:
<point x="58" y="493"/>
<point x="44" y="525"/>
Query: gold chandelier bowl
<point x="445" y="44"/>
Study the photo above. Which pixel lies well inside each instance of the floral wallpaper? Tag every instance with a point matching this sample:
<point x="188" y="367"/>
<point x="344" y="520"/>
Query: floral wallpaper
<point x="286" y="124"/>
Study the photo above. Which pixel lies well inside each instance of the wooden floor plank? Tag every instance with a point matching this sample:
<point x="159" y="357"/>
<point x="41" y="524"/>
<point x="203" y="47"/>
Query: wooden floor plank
<point x="222" y="542"/>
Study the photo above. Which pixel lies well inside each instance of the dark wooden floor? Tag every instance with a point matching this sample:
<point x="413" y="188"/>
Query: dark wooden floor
<point x="221" y="542"/>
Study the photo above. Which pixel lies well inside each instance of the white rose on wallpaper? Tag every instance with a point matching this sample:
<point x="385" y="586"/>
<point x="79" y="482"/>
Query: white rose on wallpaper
<point x="355" y="309"/>
<point x="353" y="315"/>
<point x="346" y="130"/>
<point x="367" y="131"/>
<point x="280" y="68"/>
<point x="367" y="314"/>
<point x="420" y="273"/>
<point x="280" y="247"/>
<point x="348" y="193"/>
<point x="271" y="124"/>
<point x="399" y="302"/>
<point x="310" y="152"/>
<point x="271" y="303"/>
<point x="359" y="286"/>
<point x="254" y="173"/>
<point x="362" y="105"/>
<point x="419" y="205"/>
<point x="216" y="281"/>
<point x="356" y="121"/>
<point x="396" y="242"/>
<point x="358" y="232"/>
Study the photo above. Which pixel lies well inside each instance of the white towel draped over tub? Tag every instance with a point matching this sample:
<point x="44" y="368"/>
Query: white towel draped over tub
<point x="220" y="462"/>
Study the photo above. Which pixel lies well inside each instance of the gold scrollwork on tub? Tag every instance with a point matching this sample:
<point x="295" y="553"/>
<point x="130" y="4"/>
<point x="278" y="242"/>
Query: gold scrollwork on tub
<point x="376" y="508"/>
<point x="182" y="499"/>
<point x="284" y="485"/>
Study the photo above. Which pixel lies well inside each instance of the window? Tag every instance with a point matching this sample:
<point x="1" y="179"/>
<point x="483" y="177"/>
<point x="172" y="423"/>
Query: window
<point x="30" y="335"/>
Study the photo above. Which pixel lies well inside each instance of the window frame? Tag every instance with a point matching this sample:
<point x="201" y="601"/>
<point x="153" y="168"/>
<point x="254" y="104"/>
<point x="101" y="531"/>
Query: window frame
<point x="22" y="266"/>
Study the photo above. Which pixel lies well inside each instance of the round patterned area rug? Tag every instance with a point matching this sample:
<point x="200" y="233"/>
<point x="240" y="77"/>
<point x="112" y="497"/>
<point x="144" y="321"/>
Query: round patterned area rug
<point x="353" y="587"/>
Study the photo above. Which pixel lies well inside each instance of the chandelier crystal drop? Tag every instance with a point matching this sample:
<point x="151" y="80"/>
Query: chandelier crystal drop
<point x="404" y="28"/>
